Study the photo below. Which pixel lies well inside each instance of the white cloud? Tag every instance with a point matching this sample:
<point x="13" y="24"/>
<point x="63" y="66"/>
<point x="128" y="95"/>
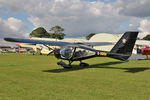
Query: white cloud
<point x="11" y="27"/>
<point x="15" y="25"/>
<point x="80" y="17"/>
<point x="144" y="28"/>
<point x="138" y="8"/>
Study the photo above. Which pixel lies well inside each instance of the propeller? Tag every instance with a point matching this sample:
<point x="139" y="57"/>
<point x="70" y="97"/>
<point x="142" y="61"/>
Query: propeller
<point x="51" y="52"/>
<point x="54" y="49"/>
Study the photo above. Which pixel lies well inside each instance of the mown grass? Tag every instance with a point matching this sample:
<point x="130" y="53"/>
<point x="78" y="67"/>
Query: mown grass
<point x="35" y="77"/>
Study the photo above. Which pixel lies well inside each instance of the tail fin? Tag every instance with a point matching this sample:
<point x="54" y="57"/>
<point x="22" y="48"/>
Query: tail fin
<point x="125" y="45"/>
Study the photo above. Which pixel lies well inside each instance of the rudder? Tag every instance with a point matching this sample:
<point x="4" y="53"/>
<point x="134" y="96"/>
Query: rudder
<point x="125" y="44"/>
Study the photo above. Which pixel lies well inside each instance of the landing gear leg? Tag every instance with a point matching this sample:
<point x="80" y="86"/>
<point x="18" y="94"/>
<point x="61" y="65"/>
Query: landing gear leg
<point x="83" y="64"/>
<point x="70" y="62"/>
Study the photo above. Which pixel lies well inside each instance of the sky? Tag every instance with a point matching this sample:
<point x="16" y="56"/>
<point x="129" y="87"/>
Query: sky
<point x="78" y="17"/>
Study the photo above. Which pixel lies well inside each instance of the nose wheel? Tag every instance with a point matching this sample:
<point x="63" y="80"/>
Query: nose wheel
<point x="63" y="64"/>
<point x="84" y="64"/>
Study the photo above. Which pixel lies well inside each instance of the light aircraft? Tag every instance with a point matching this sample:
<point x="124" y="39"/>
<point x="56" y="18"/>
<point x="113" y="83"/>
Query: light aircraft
<point x="81" y="51"/>
<point x="143" y="49"/>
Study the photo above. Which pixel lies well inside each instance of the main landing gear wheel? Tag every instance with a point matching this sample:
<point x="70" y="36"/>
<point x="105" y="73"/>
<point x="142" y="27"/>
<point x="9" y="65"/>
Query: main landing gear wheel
<point x="84" y="64"/>
<point x="63" y="64"/>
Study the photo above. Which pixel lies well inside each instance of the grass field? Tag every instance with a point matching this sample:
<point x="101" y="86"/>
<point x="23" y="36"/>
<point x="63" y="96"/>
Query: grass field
<point x="28" y="77"/>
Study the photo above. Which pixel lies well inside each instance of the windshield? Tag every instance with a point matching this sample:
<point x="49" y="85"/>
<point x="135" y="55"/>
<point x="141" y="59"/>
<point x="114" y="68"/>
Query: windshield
<point x="67" y="52"/>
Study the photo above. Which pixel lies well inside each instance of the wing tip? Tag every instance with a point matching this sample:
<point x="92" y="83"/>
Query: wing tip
<point x="10" y="39"/>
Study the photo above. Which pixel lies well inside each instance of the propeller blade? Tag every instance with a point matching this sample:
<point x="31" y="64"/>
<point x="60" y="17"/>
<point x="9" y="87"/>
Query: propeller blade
<point x="50" y="52"/>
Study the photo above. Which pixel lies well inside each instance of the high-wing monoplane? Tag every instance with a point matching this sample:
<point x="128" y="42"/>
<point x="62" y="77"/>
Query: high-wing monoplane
<point x="122" y="50"/>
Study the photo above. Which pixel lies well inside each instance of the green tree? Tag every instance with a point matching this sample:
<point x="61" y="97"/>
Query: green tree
<point x="39" y="32"/>
<point x="90" y="35"/>
<point x="146" y="37"/>
<point x="138" y="38"/>
<point x="57" y="32"/>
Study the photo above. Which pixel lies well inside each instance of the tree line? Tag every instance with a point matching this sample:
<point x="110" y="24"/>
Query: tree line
<point x="147" y="37"/>
<point x="56" y="32"/>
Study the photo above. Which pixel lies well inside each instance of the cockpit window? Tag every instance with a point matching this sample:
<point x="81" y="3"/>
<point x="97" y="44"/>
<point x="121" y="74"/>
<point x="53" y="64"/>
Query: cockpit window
<point x="80" y="52"/>
<point x="75" y="52"/>
<point x="67" y="52"/>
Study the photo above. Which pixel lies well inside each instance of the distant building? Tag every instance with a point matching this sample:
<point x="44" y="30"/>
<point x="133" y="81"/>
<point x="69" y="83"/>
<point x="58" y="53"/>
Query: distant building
<point x="113" y="38"/>
<point x="4" y="49"/>
<point x="105" y="37"/>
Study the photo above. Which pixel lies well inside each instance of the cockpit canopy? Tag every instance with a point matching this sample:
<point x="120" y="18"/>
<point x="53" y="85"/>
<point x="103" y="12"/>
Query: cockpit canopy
<point x="67" y="52"/>
<point x="71" y="52"/>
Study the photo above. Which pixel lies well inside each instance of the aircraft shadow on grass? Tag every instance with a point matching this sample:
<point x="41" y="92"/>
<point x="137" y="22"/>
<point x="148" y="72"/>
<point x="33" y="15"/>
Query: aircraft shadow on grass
<point x="102" y="65"/>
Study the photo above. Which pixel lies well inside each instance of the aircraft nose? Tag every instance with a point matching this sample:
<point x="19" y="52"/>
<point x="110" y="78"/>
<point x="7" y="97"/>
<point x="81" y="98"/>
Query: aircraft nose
<point x="57" y="53"/>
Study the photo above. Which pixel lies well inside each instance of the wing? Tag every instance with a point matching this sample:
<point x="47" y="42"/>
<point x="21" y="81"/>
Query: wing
<point x="31" y="41"/>
<point x="96" y="43"/>
<point x="55" y="43"/>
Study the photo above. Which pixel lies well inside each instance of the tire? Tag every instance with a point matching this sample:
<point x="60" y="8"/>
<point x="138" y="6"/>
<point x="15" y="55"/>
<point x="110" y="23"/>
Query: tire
<point x="84" y="64"/>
